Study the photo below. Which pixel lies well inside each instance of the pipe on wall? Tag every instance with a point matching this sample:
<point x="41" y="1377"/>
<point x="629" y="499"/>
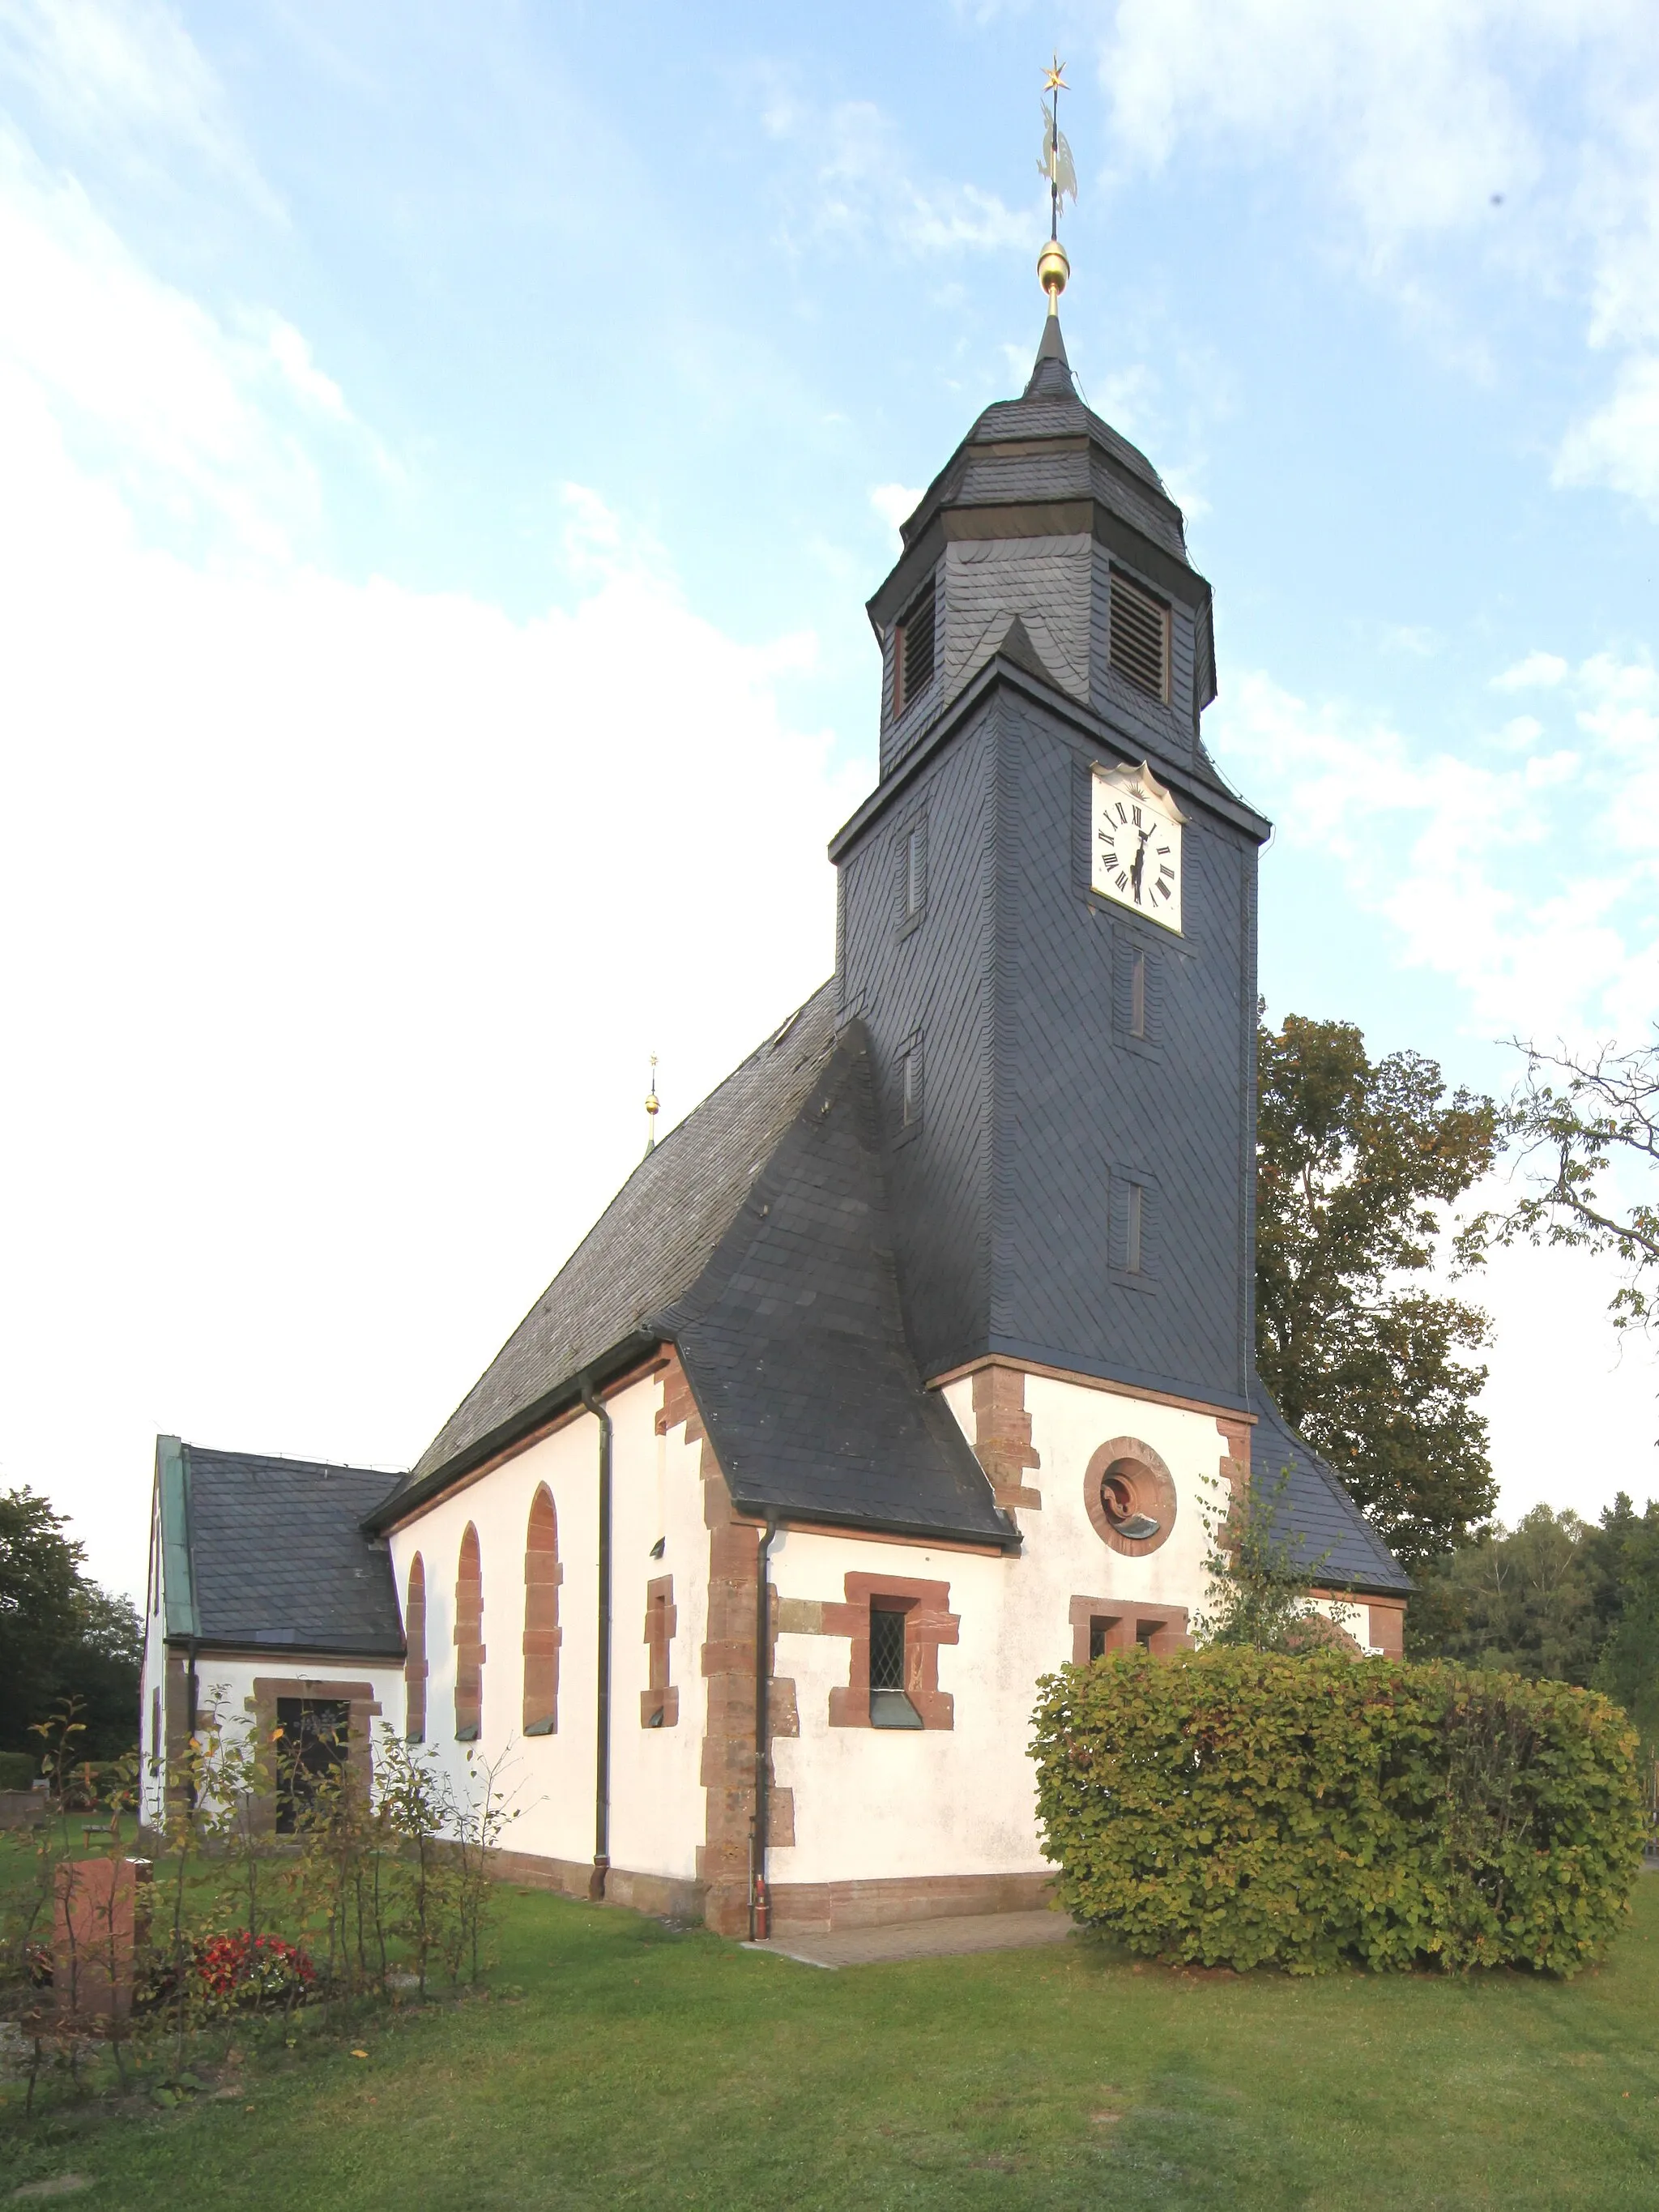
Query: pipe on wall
<point x="760" y="1902"/>
<point x="602" y="1749"/>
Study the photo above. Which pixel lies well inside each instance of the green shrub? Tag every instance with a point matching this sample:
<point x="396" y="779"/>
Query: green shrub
<point x="1239" y="1808"/>
<point x="17" y="1769"/>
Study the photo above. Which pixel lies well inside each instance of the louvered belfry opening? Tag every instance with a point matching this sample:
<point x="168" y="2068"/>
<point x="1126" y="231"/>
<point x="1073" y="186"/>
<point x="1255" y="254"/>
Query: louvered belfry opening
<point x="1140" y="637"/>
<point x="915" y="668"/>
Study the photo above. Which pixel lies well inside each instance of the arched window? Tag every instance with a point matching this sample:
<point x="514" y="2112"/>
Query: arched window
<point x="542" y="1634"/>
<point x="415" y="1653"/>
<point x="469" y="1640"/>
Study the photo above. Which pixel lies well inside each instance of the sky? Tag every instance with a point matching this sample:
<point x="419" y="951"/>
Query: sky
<point x="444" y="454"/>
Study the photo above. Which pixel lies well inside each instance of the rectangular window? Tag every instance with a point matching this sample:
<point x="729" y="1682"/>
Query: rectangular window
<point x="1132" y="1229"/>
<point x="1136" y="992"/>
<point x="910" y="1083"/>
<point x="1140" y="637"/>
<point x="912" y="649"/>
<point x="910" y="873"/>
<point x="1099" y="1625"/>
<point x="889" y="1706"/>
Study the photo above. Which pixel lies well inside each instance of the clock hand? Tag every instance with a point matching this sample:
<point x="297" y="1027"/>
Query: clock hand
<point x="1138" y="863"/>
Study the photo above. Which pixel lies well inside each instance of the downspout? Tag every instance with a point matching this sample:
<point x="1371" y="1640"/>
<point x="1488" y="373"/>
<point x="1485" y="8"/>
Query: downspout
<point x="602" y="1749"/>
<point x="760" y="1899"/>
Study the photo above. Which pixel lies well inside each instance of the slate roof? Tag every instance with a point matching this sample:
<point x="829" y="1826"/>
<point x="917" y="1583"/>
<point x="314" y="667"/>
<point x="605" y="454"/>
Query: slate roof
<point x="652" y="1241"/>
<point x="755" y="1238"/>
<point x="1327" y="1531"/>
<point x="794" y="1341"/>
<point x="263" y="1551"/>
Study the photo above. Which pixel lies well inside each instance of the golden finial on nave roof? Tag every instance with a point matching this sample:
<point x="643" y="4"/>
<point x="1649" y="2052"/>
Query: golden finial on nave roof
<point x="652" y="1106"/>
<point x="1056" y="164"/>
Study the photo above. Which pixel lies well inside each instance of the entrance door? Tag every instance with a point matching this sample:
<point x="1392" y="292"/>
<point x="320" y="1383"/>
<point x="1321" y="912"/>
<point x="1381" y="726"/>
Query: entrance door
<point x="311" y="1747"/>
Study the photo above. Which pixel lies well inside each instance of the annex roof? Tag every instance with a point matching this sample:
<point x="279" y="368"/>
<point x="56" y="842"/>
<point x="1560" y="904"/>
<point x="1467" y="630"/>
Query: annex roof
<point x="1326" y="1531"/>
<point x="260" y="1551"/>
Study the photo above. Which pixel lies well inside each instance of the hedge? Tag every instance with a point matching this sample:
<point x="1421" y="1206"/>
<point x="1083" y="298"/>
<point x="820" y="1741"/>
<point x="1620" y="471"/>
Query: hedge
<point x="17" y="1769"/>
<point x="1238" y="1807"/>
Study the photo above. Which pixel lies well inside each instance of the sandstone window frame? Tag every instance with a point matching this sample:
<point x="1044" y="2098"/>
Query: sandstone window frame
<point x="1125" y="1623"/>
<point x="470" y="1653"/>
<point x="543" y="1636"/>
<point x="659" y="1702"/>
<point x="929" y="1623"/>
<point x="415" y="1662"/>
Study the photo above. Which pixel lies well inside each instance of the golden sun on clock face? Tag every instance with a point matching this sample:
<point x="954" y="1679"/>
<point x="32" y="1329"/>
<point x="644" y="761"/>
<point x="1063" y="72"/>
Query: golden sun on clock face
<point x="1136" y="843"/>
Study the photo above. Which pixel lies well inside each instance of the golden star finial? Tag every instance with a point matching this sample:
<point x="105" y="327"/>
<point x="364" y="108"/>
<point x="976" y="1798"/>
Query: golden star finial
<point x="1053" y="77"/>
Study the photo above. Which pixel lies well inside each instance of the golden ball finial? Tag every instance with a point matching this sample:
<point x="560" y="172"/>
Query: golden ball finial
<point x="653" y="1106"/>
<point x="1053" y="269"/>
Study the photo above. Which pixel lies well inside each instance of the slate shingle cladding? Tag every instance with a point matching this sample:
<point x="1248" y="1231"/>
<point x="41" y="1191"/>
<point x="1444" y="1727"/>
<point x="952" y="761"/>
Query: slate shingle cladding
<point x="277" y="1556"/>
<point x="815" y="1258"/>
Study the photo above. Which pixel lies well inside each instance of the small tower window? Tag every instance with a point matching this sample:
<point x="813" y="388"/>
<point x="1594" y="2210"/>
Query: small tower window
<point x="1138" y="995"/>
<point x="889" y="1706"/>
<point x="1140" y="637"/>
<point x="912" y="649"/>
<point x="1133" y="1209"/>
<point x="910" y="1083"/>
<point x="910" y="873"/>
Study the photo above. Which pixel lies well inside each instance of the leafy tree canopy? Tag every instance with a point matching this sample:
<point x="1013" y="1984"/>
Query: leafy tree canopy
<point x="61" y="1634"/>
<point x="1579" y="1121"/>
<point x="1358" y="1163"/>
<point x="1555" y="1596"/>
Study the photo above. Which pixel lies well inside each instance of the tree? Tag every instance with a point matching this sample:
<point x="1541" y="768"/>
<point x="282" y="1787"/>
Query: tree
<point x="1573" y="1118"/>
<point x="60" y="1634"/>
<point x="1260" y="1594"/>
<point x="1358" y="1163"/>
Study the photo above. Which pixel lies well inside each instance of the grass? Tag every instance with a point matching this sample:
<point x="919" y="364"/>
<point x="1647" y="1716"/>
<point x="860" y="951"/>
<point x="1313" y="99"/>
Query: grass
<point x="618" y="2064"/>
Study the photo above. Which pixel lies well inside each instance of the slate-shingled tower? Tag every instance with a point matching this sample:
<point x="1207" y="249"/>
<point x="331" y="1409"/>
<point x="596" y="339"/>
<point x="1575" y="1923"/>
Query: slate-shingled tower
<point x="913" y="1362"/>
<point x="1033" y="1106"/>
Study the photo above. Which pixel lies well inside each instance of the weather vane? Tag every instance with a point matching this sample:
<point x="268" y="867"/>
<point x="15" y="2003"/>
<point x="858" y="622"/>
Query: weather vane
<point x="1056" y="164"/>
<point x="653" y="1106"/>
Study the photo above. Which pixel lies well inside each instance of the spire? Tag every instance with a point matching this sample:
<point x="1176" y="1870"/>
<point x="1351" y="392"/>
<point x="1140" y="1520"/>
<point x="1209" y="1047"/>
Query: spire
<point x="1051" y="372"/>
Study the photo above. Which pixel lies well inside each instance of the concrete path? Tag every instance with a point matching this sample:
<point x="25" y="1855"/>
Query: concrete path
<point x="923" y="1939"/>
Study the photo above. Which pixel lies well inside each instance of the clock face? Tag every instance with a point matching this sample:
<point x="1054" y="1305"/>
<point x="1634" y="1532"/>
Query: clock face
<point x="1135" y="851"/>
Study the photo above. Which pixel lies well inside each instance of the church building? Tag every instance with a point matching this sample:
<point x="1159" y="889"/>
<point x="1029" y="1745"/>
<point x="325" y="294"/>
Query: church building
<point x="915" y="1362"/>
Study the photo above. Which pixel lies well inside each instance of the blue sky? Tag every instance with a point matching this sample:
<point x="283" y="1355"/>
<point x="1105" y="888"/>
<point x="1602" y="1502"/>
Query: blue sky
<point x="447" y="453"/>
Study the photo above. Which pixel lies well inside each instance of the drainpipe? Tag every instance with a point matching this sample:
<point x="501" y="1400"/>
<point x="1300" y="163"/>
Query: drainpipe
<point x="602" y="1753"/>
<point x="760" y="1900"/>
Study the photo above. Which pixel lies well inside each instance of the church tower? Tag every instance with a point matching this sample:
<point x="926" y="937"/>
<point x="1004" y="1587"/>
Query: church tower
<point x="1047" y="920"/>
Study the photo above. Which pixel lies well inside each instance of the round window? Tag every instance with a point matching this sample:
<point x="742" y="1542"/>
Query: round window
<point x="1130" y="1495"/>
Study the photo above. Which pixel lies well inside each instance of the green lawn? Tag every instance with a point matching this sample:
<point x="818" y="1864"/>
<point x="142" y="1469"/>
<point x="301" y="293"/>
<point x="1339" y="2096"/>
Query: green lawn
<point x="636" y="2066"/>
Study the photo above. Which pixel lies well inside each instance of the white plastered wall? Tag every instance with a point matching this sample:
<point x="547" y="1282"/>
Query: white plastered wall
<point x="878" y="1804"/>
<point x="656" y="1793"/>
<point x="152" y="1741"/>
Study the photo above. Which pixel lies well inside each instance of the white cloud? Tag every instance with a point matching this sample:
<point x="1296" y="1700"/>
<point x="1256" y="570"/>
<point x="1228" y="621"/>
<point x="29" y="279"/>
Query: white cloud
<point x="124" y="80"/>
<point x="341" y="918"/>
<point x="857" y="183"/>
<point x="1618" y="444"/>
<point x="1537" y="669"/>
<point x="1413" y="119"/>
<point x="1542" y="913"/>
<point x="189" y="411"/>
<point x="895" y="503"/>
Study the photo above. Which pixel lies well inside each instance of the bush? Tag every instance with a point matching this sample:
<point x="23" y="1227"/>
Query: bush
<point x="253" y="1970"/>
<point x="17" y="1769"/>
<point x="1241" y="1808"/>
